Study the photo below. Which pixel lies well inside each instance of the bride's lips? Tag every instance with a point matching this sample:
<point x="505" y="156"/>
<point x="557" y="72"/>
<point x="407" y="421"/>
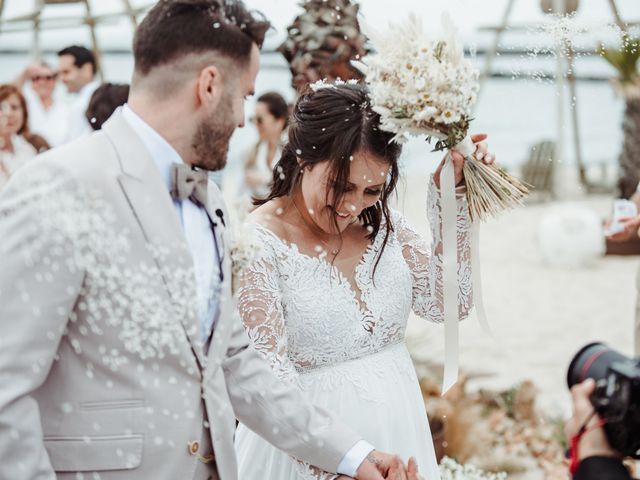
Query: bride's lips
<point x="343" y="218"/>
<point x="340" y="215"/>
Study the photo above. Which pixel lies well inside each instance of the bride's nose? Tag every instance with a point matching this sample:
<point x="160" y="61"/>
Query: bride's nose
<point x="354" y="203"/>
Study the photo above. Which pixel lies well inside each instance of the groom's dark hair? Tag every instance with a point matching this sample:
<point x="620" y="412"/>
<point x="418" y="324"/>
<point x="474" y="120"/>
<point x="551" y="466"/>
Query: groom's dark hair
<point x="176" y="28"/>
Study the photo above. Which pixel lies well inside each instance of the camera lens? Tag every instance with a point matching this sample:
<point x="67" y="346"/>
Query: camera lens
<point x="592" y="361"/>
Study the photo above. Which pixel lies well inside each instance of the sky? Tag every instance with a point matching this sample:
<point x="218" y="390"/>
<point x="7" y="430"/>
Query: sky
<point x="469" y="15"/>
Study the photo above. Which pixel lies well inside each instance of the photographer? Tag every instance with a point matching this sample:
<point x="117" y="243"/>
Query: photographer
<point x="592" y="457"/>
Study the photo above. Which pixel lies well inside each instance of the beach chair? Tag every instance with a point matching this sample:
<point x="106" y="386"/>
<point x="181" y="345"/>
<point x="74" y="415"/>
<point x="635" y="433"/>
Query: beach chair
<point x="538" y="169"/>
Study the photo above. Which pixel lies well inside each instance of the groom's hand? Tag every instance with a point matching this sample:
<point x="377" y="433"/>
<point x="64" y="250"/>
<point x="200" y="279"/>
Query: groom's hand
<point x="376" y="466"/>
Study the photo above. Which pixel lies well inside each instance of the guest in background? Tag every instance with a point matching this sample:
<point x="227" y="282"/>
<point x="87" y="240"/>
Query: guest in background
<point x="631" y="229"/>
<point x="271" y="118"/>
<point x="104" y="101"/>
<point x="17" y="144"/>
<point x="48" y="113"/>
<point x="77" y="69"/>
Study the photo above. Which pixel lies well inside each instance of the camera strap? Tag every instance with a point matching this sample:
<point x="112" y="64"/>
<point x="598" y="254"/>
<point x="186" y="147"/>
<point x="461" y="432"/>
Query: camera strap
<point x="575" y="441"/>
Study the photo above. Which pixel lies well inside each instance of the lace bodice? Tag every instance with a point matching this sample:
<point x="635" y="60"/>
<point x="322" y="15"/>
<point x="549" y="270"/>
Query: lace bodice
<point x="302" y="313"/>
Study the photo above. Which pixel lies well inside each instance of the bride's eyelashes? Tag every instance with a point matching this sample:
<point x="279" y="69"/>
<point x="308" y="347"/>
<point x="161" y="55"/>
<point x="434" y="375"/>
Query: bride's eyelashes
<point x="348" y="188"/>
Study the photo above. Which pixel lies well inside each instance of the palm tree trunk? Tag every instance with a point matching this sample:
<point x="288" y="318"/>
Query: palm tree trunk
<point x="630" y="155"/>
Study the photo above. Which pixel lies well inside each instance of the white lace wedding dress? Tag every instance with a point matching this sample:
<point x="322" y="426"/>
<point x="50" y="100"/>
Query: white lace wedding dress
<point x="341" y="340"/>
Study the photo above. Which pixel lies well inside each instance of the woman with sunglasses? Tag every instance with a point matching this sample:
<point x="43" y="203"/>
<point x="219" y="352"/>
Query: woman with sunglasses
<point x="17" y="144"/>
<point x="48" y="113"/>
<point x="270" y="119"/>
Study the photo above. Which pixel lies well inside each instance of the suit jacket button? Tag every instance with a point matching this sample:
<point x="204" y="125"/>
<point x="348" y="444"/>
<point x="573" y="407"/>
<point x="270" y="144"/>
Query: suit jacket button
<point x="194" y="446"/>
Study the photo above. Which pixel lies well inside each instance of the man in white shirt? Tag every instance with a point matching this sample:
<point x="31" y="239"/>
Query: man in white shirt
<point x="77" y="69"/>
<point x="48" y="112"/>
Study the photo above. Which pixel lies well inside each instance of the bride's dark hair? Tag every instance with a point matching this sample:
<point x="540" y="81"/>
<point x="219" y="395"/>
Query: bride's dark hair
<point x="332" y="124"/>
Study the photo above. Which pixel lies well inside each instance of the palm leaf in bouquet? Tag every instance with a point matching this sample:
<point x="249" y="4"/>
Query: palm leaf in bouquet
<point x="425" y="86"/>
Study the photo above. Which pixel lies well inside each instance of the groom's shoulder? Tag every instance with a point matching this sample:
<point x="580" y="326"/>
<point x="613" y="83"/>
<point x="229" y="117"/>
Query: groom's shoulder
<point x="83" y="151"/>
<point x="86" y="157"/>
<point x="88" y="161"/>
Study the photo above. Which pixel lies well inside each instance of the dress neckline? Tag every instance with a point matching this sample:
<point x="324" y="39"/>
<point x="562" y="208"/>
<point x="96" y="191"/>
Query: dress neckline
<point x="357" y="289"/>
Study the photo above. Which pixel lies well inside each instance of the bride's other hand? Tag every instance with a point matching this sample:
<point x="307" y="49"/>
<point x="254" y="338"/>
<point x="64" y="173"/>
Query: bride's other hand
<point x="482" y="154"/>
<point x="412" y="470"/>
<point x="399" y="472"/>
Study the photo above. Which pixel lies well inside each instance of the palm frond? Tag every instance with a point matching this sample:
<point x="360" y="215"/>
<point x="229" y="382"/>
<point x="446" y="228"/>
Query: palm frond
<point x="624" y="59"/>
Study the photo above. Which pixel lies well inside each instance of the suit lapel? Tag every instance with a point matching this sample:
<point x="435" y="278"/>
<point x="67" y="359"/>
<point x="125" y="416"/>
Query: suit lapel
<point x="156" y="214"/>
<point x="216" y="209"/>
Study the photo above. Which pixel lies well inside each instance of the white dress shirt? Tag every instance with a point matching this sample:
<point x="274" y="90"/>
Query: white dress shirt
<point x="197" y="230"/>
<point x="78" y="125"/>
<point x="194" y="220"/>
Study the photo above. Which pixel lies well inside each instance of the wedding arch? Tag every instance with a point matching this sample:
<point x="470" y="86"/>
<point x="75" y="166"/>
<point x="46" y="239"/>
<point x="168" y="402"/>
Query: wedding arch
<point x="37" y="16"/>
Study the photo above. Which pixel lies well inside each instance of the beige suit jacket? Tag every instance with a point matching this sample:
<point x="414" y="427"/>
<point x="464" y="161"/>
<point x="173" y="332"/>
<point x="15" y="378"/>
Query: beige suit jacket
<point x="102" y="370"/>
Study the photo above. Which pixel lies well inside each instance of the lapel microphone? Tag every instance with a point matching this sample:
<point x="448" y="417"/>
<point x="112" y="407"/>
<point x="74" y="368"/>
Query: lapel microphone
<point x="220" y="215"/>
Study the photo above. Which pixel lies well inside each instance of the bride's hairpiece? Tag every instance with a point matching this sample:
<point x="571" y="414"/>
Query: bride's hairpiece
<point x="324" y="83"/>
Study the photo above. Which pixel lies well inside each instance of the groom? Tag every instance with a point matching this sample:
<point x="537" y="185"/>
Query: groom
<point x="121" y="352"/>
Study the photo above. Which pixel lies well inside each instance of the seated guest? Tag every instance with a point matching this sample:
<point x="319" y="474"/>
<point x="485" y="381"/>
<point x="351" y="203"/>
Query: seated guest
<point x="77" y="69"/>
<point x="104" y="101"/>
<point x="17" y="144"/>
<point x="48" y="112"/>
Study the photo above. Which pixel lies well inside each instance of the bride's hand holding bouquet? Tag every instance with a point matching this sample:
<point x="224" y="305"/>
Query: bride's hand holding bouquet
<point x="482" y="154"/>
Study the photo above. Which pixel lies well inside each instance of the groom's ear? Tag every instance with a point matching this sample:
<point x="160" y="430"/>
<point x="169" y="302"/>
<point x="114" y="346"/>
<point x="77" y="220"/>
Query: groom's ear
<point x="210" y="86"/>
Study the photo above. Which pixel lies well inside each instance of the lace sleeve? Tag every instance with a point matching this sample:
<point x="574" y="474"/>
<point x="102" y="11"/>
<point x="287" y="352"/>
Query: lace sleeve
<point x="260" y="305"/>
<point x="426" y="264"/>
<point x="261" y="310"/>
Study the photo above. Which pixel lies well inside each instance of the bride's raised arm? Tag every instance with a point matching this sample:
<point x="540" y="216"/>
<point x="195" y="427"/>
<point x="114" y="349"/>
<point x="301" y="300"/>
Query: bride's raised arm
<point x="425" y="262"/>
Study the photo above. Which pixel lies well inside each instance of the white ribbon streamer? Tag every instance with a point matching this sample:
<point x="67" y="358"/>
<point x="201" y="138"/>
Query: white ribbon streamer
<point x="450" y="267"/>
<point x="466" y="147"/>
<point x="476" y="279"/>
<point x="449" y="273"/>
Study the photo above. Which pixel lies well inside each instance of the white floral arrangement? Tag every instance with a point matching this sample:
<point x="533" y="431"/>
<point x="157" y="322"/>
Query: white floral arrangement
<point x="245" y="247"/>
<point x="422" y="85"/>
<point x="452" y="470"/>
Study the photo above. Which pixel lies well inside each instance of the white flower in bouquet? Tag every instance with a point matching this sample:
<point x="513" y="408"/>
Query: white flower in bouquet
<point x="423" y="85"/>
<point x="452" y="470"/>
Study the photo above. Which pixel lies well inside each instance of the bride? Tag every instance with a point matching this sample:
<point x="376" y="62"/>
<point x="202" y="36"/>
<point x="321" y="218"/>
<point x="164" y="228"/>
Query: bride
<point x="327" y="299"/>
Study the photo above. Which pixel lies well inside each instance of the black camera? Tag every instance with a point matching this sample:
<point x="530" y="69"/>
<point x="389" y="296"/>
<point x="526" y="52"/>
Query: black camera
<point x="617" y="394"/>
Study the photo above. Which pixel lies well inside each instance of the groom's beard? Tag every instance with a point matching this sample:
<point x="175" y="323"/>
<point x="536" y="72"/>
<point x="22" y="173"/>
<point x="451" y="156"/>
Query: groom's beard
<point x="211" y="140"/>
